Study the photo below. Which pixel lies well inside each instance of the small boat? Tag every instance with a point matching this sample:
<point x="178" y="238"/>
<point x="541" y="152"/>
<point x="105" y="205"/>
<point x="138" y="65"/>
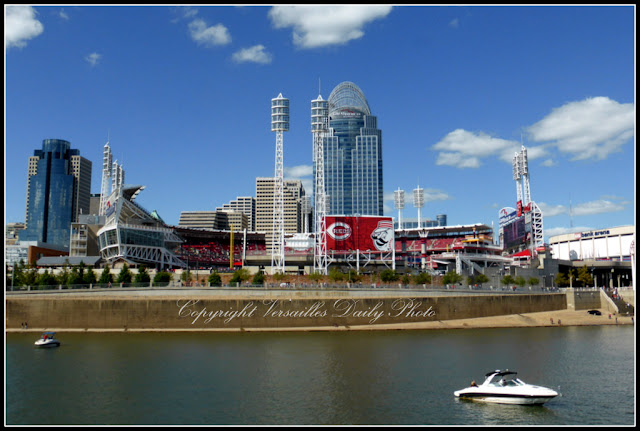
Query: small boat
<point x="47" y="340"/>
<point x="503" y="387"/>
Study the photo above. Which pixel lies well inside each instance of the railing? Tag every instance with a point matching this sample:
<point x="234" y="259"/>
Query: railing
<point x="397" y="286"/>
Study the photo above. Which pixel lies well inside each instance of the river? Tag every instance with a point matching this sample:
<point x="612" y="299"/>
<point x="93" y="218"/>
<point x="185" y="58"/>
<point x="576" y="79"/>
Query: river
<point x="284" y="378"/>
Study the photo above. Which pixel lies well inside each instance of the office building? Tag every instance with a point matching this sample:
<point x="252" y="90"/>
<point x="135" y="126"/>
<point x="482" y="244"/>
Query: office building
<point x="58" y="190"/>
<point x="352" y="149"/>
<point x="265" y="195"/>
<point x="245" y="205"/>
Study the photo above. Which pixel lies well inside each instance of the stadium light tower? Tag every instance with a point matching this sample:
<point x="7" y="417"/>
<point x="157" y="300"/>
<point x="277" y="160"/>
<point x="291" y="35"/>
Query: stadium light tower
<point x="107" y="160"/>
<point x="279" y="124"/>
<point x="418" y="202"/>
<point x="319" y="127"/>
<point x="398" y="201"/>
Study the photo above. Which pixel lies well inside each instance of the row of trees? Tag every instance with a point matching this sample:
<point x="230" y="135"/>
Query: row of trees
<point x="28" y="275"/>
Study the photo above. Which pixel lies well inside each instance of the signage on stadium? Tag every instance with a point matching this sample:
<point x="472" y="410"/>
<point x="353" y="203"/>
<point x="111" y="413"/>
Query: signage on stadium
<point x="360" y="233"/>
<point x="507" y="215"/>
<point x="594" y="233"/>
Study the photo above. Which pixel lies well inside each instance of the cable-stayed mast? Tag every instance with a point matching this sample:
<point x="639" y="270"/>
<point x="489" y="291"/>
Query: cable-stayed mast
<point x="319" y="127"/>
<point x="279" y="124"/>
<point x="107" y="160"/>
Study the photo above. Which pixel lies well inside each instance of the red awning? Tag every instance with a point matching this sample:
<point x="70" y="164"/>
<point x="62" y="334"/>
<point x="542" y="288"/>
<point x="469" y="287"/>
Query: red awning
<point x="523" y="253"/>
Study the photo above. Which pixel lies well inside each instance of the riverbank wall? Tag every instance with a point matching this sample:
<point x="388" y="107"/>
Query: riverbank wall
<point x="186" y="310"/>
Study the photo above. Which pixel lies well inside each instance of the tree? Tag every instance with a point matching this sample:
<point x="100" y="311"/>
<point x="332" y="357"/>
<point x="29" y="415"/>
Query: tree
<point x="142" y="276"/>
<point x="422" y="278"/>
<point x="405" y="279"/>
<point x="335" y="275"/>
<point x="520" y="281"/>
<point x="89" y="276"/>
<point x="507" y="280"/>
<point x="162" y="277"/>
<point x="106" y="277"/>
<point x="561" y="280"/>
<point x="46" y="279"/>
<point x="215" y="279"/>
<point x="240" y="275"/>
<point x="533" y="281"/>
<point x="481" y="279"/>
<point x="389" y="275"/>
<point x="258" y="278"/>
<point x="315" y="276"/>
<point x="584" y="276"/>
<point x="451" y="277"/>
<point x="74" y="277"/>
<point x="125" y="275"/>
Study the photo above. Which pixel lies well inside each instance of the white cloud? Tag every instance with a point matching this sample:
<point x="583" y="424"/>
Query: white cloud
<point x="93" y="58"/>
<point x="599" y="206"/>
<point x="255" y="54"/>
<point x="20" y="25"/>
<point x="563" y="230"/>
<point x="464" y="149"/>
<point x="209" y="36"/>
<point x="62" y="14"/>
<point x="317" y="26"/>
<point x="297" y="172"/>
<point x="591" y="128"/>
<point x="454" y="23"/>
<point x="552" y="210"/>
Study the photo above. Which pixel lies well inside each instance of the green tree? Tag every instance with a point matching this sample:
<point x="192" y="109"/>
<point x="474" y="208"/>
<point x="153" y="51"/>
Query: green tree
<point x="561" y="280"/>
<point x="29" y="275"/>
<point x="520" y="281"/>
<point x="215" y="279"/>
<point x="451" y="277"/>
<point x="481" y="279"/>
<point x="46" y="279"/>
<point x="74" y="277"/>
<point x="585" y="277"/>
<point x="389" y="275"/>
<point x="240" y="276"/>
<point x="353" y="276"/>
<point x="90" y="276"/>
<point x="406" y="279"/>
<point x="142" y="276"/>
<point x="258" y="278"/>
<point x="106" y="277"/>
<point x="422" y="278"/>
<point x="125" y="275"/>
<point x="335" y="275"/>
<point x="315" y="276"/>
<point x="533" y="281"/>
<point x="162" y="277"/>
<point x="508" y="280"/>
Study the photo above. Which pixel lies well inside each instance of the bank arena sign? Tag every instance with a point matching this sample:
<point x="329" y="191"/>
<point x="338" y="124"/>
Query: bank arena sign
<point x="360" y="233"/>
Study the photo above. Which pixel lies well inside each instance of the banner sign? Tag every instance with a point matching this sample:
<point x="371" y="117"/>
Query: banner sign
<point x="360" y="233"/>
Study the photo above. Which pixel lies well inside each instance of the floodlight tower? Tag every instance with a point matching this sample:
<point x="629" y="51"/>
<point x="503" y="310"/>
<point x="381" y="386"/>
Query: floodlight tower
<point x="398" y="201"/>
<point x="517" y="176"/>
<point x="418" y="202"/>
<point x="319" y="127"/>
<point x="279" y="124"/>
<point x="107" y="160"/>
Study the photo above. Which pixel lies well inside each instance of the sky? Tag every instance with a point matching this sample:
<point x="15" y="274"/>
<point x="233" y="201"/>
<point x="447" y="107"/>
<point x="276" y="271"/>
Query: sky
<point x="183" y="94"/>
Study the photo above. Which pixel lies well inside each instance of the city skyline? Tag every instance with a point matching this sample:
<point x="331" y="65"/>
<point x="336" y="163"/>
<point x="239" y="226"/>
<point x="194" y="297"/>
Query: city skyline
<point x="183" y="95"/>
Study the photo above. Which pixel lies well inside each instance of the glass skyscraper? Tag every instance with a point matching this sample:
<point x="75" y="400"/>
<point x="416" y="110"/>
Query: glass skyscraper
<point x="58" y="190"/>
<point x="352" y="155"/>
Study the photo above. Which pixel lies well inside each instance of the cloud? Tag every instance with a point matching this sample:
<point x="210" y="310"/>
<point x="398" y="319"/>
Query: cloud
<point x="564" y="230"/>
<point x="454" y="23"/>
<point x="299" y="171"/>
<point x="599" y="206"/>
<point x="208" y="36"/>
<point x="255" y="54"/>
<point x="591" y="128"/>
<point x="20" y="25"/>
<point x="93" y="58"/>
<point x="317" y="26"/>
<point x="62" y="14"/>
<point x="464" y="149"/>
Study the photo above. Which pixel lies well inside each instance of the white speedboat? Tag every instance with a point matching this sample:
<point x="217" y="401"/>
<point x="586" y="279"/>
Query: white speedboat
<point x="47" y="340"/>
<point x="504" y="388"/>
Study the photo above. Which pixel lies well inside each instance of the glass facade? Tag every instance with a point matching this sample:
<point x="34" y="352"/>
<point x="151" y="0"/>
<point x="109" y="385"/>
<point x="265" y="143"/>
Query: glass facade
<point x="352" y="155"/>
<point x="51" y="188"/>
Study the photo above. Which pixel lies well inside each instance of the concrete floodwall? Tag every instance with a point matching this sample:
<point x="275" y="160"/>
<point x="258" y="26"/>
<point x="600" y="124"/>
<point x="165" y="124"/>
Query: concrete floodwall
<point x="583" y="299"/>
<point x="65" y="311"/>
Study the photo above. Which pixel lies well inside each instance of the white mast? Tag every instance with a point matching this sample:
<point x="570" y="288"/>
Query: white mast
<point x="107" y="160"/>
<point x="398" y="200"/>
<point x="319" y="127"/>
<point x="279" y="124"/>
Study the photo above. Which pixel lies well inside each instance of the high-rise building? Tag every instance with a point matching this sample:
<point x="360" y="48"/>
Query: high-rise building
<point x="245" y="205"/>
<point x="352" y="155"/>
<point x="265" y="198"/>
<point x="58" y="190"/>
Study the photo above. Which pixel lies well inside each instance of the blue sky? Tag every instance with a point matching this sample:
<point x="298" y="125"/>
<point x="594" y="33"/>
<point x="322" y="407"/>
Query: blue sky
<point x="184" y="94"/>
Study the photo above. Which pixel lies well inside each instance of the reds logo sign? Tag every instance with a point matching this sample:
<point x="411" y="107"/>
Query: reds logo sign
<point x="383" y="235"/>
<point x="339" y="231"/>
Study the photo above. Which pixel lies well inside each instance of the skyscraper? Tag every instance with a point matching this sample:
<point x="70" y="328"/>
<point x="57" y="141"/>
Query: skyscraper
<point x="352" y="155"/>
<point x="58" y="190"/>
